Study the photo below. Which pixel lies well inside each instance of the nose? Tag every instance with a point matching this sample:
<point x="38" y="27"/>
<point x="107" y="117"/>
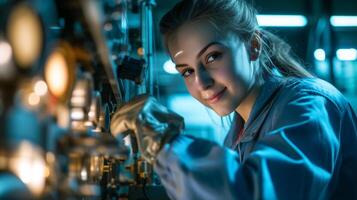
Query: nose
<point x="203" y="79"/>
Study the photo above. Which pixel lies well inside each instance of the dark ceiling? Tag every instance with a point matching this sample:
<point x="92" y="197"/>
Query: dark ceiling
<point x="310" y="8"/>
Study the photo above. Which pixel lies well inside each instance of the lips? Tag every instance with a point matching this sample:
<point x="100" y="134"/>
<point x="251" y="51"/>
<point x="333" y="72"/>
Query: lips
<point x="216" y="97"/>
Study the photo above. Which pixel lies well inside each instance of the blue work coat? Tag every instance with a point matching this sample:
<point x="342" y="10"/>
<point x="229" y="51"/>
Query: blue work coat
<point x="300" y="142"/>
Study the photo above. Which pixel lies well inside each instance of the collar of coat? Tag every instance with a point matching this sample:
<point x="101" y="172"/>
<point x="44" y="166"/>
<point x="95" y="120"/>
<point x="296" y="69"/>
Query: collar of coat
<point x="258" y="114"/>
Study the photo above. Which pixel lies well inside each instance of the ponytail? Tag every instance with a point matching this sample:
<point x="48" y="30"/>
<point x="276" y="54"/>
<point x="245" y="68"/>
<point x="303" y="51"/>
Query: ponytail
<point x="277" y="54"/>
<point x="239" y="17"/>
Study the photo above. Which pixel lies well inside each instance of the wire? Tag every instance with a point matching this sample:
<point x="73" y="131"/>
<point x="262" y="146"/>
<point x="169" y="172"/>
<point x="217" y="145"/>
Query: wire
<point x="144" y="190"/>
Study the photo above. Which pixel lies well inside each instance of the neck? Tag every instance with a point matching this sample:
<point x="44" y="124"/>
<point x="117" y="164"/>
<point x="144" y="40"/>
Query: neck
<point x="244" y="109"/>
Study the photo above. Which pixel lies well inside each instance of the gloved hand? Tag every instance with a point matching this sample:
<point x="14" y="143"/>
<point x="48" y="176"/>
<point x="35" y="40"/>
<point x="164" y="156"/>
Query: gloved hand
<point x="152" y="123"/>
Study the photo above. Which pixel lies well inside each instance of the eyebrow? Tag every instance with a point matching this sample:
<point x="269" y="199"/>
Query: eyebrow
<point x="203" y="50"/>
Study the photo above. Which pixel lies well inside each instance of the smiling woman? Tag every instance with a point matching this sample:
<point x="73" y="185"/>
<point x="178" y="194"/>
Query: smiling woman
<point x="212" y="74"/>
<point x="292" y="133"/>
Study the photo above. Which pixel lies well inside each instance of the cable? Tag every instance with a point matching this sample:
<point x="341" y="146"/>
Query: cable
<point x="144" y="190"/>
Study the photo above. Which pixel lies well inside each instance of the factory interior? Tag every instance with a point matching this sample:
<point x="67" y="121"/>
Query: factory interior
<point x="67" y="65"/>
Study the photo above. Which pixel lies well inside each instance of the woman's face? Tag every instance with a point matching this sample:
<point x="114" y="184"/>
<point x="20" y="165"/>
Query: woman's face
<point x="216" y="68"/>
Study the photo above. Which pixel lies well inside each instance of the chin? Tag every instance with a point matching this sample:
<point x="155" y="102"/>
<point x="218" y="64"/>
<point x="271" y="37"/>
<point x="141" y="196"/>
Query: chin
<point x="225" y="108"/>
<point x="223" y="112"/>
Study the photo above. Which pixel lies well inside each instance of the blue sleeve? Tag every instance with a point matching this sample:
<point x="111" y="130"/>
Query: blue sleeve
<point x="295" y="161"/>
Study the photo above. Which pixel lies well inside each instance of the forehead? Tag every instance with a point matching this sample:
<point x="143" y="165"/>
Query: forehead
<point x="191" y="37"/>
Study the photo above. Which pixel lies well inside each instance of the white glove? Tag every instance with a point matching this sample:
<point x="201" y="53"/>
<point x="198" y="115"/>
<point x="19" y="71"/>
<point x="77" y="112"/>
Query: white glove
<point x="152" y="123"/>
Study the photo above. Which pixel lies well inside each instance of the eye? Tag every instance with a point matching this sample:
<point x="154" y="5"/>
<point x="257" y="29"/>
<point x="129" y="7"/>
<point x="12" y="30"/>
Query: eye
<point x="212" y="57"/>
<point x="186" y="73"/>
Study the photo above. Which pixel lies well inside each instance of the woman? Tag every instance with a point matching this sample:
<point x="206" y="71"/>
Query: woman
<point x="294" y="136"/>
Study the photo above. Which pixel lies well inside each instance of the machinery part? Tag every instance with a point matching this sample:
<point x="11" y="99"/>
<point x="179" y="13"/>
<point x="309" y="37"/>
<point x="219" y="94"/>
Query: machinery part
<point x="131" y="69"/>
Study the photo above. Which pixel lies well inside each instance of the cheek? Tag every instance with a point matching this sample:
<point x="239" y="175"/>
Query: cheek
<point x="224" y="73"/>
<point x="194" y="92"/>
<point x="233" y="76"/>
<point x="192" y="89"/>
<point x="243" y="67"/>
<point x="240" y="72"/>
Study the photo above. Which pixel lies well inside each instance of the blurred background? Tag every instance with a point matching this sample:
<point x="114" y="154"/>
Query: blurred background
<point x="67" y="65"/>
<point x="321" y="32"/>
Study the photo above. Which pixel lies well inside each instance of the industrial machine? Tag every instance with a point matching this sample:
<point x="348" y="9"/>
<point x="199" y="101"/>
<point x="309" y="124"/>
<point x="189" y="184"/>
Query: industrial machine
<point x="65" y="67"/>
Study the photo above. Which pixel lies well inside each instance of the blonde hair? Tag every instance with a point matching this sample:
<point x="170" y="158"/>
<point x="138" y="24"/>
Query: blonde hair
<point x="240" y="18"/>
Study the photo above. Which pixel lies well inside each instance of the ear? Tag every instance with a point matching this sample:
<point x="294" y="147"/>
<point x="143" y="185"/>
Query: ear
<point x="255" y="46"/>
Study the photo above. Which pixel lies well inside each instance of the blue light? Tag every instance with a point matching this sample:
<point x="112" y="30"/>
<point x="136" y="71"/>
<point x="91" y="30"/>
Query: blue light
<point x="282" y="20"/>
<point x="194" y="111"/>
<point x="170" y="67"/>
<point x="347" y="54"/>
<point x="343" y="21"/>
<point x="301" y="21"/>
<point x="320" y="54"/>
<point x="199" y="120"/>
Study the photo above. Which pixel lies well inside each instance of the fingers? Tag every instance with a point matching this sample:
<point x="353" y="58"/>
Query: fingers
<point x="152" y="123"/>
<point x="165" y="116"/>
<point x="134" y="105"/>
<point x="120" y="124"/>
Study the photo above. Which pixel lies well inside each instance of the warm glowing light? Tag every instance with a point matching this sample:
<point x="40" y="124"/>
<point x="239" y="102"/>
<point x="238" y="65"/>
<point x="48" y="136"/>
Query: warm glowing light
<point x="63" y="116"/>
<point x="30" y="167"/>
<point x="91" y="113"/>
<point x="25" y="35"/>
<point x="7" y="69"/>
<point x="79" y="94"/>
<point x="57" y="74"/>
<point x="94" y="110"/>
<point x="78" y="100"/>
<point x="40" y="88"/>
<point x="88" y="124"/>
<point x="47" y="172"/>
<point x="5" y="53"/>
<point x="77" y="114"/>
<point x="84" y="175"/>
<point x="140" y="51"/>
<point x="33" y="99"/>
